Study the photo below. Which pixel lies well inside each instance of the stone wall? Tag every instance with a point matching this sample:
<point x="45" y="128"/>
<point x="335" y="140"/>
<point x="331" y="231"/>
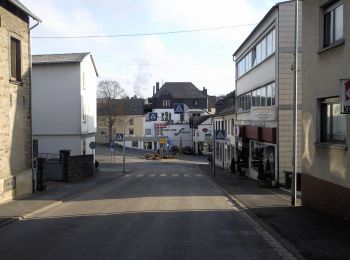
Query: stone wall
<point x="80" y="167"/>
<point x="15" y="120"/>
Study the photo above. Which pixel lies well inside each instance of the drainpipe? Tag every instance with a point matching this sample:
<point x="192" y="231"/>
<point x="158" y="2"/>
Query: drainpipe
<point x="34" y="177"/>
<point x="295" y="107"/>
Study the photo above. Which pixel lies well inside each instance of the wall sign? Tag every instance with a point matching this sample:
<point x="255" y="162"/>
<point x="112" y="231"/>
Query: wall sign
<point x="263" y="114"/>
<point x="345" y="96"/>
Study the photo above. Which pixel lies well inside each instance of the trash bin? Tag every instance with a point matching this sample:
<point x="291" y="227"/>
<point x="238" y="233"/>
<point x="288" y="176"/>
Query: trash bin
<point x="288" y="180"/>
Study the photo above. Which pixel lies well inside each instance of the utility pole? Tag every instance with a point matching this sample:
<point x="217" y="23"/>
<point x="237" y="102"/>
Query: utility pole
<point x="295" y="108"/>
<point x="214" y="146"/>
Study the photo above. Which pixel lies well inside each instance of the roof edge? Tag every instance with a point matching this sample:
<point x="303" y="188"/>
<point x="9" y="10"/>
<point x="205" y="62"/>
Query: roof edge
<point x="25" y="10"/>
<point x="256" y="28"/>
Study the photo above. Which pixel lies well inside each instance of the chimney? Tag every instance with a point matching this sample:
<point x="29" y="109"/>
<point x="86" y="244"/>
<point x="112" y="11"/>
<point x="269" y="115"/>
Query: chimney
<point x="157" y="87"/>
<point x="154" y="89"/>
<point x="205" y="91"/>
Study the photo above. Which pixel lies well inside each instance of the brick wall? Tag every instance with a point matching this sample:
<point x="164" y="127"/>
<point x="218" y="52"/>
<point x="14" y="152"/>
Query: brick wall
<point x="325" y="196"/>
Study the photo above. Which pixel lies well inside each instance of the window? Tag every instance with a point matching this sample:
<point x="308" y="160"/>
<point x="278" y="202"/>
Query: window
<point x="135" y="144"/>
<point x="166" y="116"/>
<point x="333" y="123"/>
<point x="131" y="131"/>
<point x="258" y="53"/>
<point x="131" y="121"/>
<point x="333" y="24"/>
<point x="84" y="83"/>
<point x="166" y="103"/>
<point x="148" y="132"/>
<point x="84" y="114"/>
<point x="232" y="126"/>
<point x="264" y="96"/>
<point x="15" y="59"/>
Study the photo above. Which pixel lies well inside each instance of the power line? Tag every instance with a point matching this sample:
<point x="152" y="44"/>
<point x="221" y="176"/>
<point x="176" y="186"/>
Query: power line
<point x="179" y="60"/>
<point x="144" y="34"/>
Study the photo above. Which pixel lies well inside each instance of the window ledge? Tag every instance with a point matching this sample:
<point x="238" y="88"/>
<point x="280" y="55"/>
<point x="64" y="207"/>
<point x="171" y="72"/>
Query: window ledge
<point x="333" y="45"/>
<point x="16" y="82"/>
<point x="332" y="145"/>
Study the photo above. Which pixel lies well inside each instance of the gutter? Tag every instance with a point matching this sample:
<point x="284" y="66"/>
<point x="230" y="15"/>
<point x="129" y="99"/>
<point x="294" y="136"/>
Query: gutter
<point x="34" y="179"/>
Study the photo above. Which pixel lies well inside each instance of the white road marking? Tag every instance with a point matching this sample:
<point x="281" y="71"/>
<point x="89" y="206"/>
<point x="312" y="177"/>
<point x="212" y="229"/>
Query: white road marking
<point x="175" y="175"/>
<point x="163" y="175"/>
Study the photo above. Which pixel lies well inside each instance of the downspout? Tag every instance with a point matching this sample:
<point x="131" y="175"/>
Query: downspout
<point x="30" y="106"/>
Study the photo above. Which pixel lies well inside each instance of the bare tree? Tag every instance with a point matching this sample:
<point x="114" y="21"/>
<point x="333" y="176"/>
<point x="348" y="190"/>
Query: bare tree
<point x="110" y="111"/>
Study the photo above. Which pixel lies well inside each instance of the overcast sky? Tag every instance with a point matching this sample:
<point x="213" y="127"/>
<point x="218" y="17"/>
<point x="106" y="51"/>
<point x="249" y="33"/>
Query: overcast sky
<point x="204" y="58"/>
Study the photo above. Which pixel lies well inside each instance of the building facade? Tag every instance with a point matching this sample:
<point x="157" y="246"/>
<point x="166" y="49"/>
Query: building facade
<point x="15" y="87"/>
<point x="264" y="91"/>
<point x="64" y="102"/>
<point x="129" y="115"/>
<point x="174" y="104"/>
<point x="326" y="159"/>
<point x="224" y="121"/>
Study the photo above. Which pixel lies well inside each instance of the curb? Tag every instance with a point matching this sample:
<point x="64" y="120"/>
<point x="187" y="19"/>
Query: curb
<point x="282" y="247"/>
<point x="56" y="203"/>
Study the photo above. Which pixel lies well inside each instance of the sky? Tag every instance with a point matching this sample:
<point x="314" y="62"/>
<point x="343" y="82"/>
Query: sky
<point x="137" y="63"/>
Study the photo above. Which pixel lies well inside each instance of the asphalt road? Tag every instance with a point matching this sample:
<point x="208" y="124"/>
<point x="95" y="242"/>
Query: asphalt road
<point x="157" y="210"/>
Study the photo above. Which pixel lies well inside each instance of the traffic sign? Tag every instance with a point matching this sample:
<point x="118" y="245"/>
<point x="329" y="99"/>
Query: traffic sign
<point x="112" y="147"/>
<point x="220" y="134"/>
<point x="119" y="137"/>
<point x="162" y="140"/>
<point x="152" y="116"/>
<point x="179" y="108"/>
<point x="92" y="145"/>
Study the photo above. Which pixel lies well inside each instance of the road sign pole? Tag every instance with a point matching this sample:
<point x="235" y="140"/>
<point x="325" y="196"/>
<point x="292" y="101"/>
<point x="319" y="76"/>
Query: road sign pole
<point x="214" y="147"/>
<point x="124" y="151"/>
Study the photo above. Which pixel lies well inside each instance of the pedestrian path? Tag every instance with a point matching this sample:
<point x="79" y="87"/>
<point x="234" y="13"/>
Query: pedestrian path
<point x="307" y="233"/>
<point x="55" y="193"/>
<point x="160" y="175"/>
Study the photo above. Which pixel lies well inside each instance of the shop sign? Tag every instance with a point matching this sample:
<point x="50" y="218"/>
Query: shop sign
<point x="263" y="114"/>
<point x="345" y="96"/>
<point x="204" y="130"/>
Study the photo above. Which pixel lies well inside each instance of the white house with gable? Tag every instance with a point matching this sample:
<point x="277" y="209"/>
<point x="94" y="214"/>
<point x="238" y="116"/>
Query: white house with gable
<point x="64" y="102"/>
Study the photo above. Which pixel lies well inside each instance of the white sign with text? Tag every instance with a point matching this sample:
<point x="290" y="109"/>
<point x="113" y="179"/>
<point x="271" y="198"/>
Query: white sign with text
<point x="263" y="114"/>
<point x="345" y="96"/>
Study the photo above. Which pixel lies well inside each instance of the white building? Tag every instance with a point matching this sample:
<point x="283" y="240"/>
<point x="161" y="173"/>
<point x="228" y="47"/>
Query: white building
<point x="224" y="120"/>
<point x="64" y="102"/>
<point x="202" y="134"/>
<point x="173" y="124"/>
<point x="264" y="95"/>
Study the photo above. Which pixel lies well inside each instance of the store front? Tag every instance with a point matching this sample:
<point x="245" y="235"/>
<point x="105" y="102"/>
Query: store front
<point x="257" y="148"/>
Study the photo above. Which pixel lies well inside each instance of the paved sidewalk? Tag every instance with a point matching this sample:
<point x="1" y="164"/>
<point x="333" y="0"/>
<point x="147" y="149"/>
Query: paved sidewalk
<point x="55" y="193"/>
<point x="307" y="233"/>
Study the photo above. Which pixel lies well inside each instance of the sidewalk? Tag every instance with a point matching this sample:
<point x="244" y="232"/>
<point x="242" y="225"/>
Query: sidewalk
<point x="55" y="193"/>
<point x="307" y="233"/>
